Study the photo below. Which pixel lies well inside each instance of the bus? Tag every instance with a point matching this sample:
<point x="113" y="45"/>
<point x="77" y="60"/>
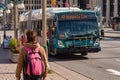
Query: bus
<point x="116" y="23"/>
<point x="70" y="30"/>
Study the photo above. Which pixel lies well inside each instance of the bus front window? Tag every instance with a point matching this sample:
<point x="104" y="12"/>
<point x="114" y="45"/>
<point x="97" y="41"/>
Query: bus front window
<point x="77" y="27"/>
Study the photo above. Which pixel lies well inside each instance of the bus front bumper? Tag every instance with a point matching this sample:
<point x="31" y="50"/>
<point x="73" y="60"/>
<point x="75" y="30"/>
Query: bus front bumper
<point x="79" y="49"/>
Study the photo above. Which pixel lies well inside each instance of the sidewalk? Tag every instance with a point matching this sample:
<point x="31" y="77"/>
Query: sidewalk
<point x="110" y="33"/>
<point x="7" y="70"/>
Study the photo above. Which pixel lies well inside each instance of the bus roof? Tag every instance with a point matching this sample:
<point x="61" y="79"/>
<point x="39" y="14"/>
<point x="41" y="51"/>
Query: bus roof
<point x="50" y="12"/>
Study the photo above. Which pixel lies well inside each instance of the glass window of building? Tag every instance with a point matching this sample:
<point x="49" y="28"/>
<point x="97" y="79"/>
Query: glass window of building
<point x="104" y="8"/>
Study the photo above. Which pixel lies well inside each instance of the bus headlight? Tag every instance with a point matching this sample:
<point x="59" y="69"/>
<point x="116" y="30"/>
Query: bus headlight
<point x="96" y="42"/>
<point x="60" y="43"/>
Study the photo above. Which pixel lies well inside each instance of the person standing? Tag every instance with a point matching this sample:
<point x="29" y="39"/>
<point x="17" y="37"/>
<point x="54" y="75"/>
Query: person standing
<point x="31" y="44"/>
<point x="23" y="39"/>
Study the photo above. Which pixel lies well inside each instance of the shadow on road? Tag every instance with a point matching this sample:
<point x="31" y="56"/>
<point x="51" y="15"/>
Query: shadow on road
<point x="110" y="39"/>
<point x="5" y="61"/>
<point x="67" y="57"/>
<point x="4" y="56"/>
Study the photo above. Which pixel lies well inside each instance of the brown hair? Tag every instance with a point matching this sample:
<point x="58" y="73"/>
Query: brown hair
<point x="31" y="36"/>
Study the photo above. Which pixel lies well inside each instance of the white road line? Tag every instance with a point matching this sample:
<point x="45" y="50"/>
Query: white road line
<point x="115" y="72"/>
<point x="117" y="59"/>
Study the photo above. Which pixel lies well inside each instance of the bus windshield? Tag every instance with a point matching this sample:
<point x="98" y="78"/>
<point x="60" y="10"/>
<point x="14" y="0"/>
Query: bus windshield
<point x="77" y="27"/>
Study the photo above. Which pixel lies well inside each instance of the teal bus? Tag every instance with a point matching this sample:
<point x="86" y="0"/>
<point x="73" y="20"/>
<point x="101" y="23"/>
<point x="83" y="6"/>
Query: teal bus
<point x="71" y="30"/>
<point x="74" y="32"/>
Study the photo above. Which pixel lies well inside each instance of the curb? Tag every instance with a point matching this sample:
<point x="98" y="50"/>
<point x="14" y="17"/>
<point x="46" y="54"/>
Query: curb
<point x="66" y="73"/>
<point x="116" y="37"/>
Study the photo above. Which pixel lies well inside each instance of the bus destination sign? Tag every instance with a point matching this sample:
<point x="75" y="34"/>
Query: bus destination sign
<point x="76" y="16"/>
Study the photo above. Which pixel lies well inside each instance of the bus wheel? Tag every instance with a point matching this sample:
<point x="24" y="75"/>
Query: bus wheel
<point x="84" y="53"/>
<point x="53" y="53"/>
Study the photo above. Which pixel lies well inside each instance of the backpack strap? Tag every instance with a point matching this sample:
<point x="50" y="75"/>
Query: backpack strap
<point x="28" y="49"/>
<point x="37" y="49"/>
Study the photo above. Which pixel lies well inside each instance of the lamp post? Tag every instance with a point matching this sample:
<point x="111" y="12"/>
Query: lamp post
<point x="18" y="4"/>
<point x="4" y="17"/>
<point x="3" y="11"/>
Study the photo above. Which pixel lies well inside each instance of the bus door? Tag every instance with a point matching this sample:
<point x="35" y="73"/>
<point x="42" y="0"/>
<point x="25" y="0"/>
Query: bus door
<point x="52" y="35"/>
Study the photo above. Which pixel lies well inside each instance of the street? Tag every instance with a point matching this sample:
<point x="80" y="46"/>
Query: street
<point x="79" y="26"/>
<point x="103" y="65"/>
<point x="100" y="66"/>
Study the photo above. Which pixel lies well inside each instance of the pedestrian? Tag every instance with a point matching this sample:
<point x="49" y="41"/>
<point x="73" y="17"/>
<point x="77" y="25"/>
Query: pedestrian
<point x="23" y="39"/>
<point x="31" y="44"/>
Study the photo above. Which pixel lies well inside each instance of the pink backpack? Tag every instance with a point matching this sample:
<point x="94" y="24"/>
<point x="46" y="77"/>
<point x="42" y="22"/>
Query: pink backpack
<point x="34" y="65"/>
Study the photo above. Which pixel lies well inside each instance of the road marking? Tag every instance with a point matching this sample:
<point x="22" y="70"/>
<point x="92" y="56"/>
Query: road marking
<point x="115" y="72"/>
<point x="117" y="59"/>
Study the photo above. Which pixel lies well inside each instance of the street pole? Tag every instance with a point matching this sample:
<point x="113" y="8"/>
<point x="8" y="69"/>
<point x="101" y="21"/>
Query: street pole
<point x="4" y="16"/>
<point x="44" y="28"/>
<point x="15" y="20"/>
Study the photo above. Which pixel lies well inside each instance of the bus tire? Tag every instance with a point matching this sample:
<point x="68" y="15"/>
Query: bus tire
<point x="84" y="53"/>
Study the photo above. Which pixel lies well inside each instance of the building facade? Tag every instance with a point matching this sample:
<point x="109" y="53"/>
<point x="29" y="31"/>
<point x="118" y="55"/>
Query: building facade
<point x="37" y="4"/>
<point x="111" y="9"/>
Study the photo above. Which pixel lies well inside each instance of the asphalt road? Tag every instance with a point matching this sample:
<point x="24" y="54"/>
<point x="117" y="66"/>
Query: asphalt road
<point x="104" y="65"/>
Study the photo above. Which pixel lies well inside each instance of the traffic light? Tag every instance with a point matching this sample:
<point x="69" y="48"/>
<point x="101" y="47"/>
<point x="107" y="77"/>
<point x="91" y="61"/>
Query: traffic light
<point x="53" y="3"/>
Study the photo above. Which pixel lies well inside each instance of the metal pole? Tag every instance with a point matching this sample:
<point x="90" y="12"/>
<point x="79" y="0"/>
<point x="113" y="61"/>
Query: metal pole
<point x="44" y="28"/>
<point x="15" y="20"/>
<point x="4" y="16"/>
